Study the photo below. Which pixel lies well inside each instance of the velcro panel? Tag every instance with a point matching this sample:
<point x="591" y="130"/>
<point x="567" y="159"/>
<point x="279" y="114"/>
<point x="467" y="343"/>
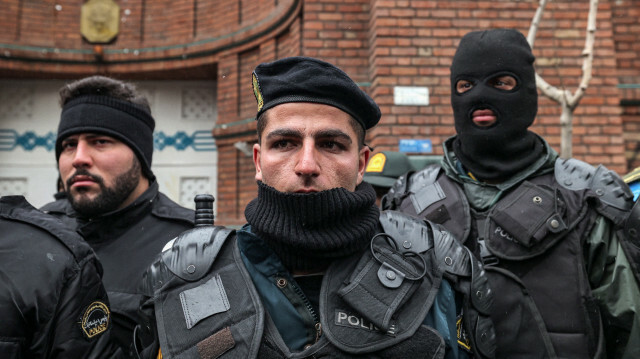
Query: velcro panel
<point x="203" y="301"/>
<point x="217" y="344"/>
<point x="426" y="196"/>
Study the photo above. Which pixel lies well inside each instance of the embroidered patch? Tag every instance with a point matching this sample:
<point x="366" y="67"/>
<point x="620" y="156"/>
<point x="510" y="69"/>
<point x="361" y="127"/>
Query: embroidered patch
<point x="376" y="163"/>
<point x="95" y="319"/>
<point x="351" y="320"/>
<point x="256" y="91"/>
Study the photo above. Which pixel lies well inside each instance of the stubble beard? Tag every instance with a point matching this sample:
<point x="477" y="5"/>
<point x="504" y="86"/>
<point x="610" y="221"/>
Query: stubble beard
<point x="109" y="198"/>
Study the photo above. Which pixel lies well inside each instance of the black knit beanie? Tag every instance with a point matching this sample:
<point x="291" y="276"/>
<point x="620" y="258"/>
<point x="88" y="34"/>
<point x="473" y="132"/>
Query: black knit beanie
<point x="124" y="120"/>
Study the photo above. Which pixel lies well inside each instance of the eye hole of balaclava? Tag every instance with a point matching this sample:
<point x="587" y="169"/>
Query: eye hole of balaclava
<point x="503" y="82"/>
<point x="483" y="60"/>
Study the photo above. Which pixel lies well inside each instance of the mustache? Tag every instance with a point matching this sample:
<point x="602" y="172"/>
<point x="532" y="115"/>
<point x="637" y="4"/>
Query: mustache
<point x="85" y="173"/>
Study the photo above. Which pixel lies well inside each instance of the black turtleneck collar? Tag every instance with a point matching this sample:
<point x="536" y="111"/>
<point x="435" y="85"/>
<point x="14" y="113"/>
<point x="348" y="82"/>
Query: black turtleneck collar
<point x="309" y="231"/>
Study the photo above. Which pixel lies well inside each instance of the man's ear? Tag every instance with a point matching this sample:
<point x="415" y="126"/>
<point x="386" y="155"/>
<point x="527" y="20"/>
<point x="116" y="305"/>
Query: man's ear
<point x="256" y="161"/>
<point x="365" y="153"/>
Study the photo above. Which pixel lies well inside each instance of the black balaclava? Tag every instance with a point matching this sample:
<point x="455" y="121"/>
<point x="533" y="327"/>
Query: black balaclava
<point x="506" y="147"/>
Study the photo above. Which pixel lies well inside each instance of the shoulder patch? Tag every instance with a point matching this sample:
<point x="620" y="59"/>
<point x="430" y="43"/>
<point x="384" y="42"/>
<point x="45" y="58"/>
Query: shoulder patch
<point x="95" y="319"/>
<point x="376" y="163"/>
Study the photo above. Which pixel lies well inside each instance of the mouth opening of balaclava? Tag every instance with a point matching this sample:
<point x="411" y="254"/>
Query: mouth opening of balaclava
<point x="506" y="147"/>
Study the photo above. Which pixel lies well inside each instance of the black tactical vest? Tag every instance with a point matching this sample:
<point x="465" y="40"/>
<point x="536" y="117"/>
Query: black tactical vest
<point x="373" y="304"/>
<point x="531" y="245"/>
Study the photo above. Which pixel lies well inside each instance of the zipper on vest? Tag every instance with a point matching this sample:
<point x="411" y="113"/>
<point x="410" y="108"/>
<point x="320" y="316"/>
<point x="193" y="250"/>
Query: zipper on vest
<point x="318" y="331"/>
<point x="312" y="312"/>
<point x="292" y="291"/>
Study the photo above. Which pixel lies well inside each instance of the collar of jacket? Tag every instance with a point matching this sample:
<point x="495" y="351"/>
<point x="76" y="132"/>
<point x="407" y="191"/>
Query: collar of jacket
<point x="543" y="165"/>
<point x="265" y="268"/>
<point x="110" y="225"/>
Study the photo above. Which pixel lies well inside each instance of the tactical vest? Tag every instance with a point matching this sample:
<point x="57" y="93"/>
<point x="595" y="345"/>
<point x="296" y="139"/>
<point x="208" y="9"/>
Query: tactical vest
<point x="531" y="245"/>
<point x="371" y="304"/>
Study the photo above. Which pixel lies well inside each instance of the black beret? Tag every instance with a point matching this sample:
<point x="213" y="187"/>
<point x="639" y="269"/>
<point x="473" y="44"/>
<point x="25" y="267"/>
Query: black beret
<point x="305" y="79"/>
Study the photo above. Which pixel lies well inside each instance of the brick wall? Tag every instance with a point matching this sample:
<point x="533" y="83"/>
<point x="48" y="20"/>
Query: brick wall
<point x="413" y="43"/>
<point x="626" y="35"/>
<point x="156" y="38"/>
<point x="379" y="43"/>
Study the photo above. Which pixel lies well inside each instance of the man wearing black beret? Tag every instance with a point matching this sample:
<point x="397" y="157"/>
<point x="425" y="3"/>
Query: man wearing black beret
<point x="549" y="230"/>
<point x="317" y="271"/>
<point x="104" y="149"/>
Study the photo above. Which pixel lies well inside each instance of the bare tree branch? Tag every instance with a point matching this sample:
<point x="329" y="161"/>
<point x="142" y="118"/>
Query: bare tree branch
<point x="587" y="53"/>
<point x="535" y="23"/>
<point x="565" y="98"/>
<point x="548" y="90"/>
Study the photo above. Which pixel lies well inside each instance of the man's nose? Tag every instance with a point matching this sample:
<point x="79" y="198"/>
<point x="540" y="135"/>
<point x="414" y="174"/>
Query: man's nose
<point x="307" y="164"/>
<point x="82" y="156"/>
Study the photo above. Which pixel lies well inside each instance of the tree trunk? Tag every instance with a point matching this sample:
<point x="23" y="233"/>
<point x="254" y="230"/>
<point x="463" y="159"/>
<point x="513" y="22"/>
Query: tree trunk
<point x="566" y="125"/>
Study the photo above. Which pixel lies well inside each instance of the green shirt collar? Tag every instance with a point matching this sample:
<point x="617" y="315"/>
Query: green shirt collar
<point x="483" y="195"/>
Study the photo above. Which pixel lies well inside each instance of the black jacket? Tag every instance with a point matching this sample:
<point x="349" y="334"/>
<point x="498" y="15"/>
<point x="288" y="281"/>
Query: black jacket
<point x="52" y="302"/>
<point x="126" y="242"/>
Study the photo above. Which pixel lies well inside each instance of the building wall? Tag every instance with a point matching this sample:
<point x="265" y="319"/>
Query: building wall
<point x="627" y="44"/>
<point x="381" y="44"/>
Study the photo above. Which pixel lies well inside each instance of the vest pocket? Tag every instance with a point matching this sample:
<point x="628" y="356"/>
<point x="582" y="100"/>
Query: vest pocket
<point x="525" y="223"/>
<point x="372" y="298"/>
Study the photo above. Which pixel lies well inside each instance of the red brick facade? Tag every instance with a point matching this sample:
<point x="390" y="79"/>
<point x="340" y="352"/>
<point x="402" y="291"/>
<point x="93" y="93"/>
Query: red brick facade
<point x="380" y="43"/>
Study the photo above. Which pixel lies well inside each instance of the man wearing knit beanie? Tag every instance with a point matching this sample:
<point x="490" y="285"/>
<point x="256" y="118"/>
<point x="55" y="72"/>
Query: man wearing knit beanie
<point x="104" y="150"/>
<point x="549" y="230"/>
<point x="317" y="271"/>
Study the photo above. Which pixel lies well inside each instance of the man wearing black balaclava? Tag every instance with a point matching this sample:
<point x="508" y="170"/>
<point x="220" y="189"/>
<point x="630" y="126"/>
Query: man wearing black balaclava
<point x="317" y="271"/>
<point x="494" y="101"/>
<point x="548" y="230"/>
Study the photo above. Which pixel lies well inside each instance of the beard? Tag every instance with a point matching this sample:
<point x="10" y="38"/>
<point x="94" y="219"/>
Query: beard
<point x="110" y="198"/>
